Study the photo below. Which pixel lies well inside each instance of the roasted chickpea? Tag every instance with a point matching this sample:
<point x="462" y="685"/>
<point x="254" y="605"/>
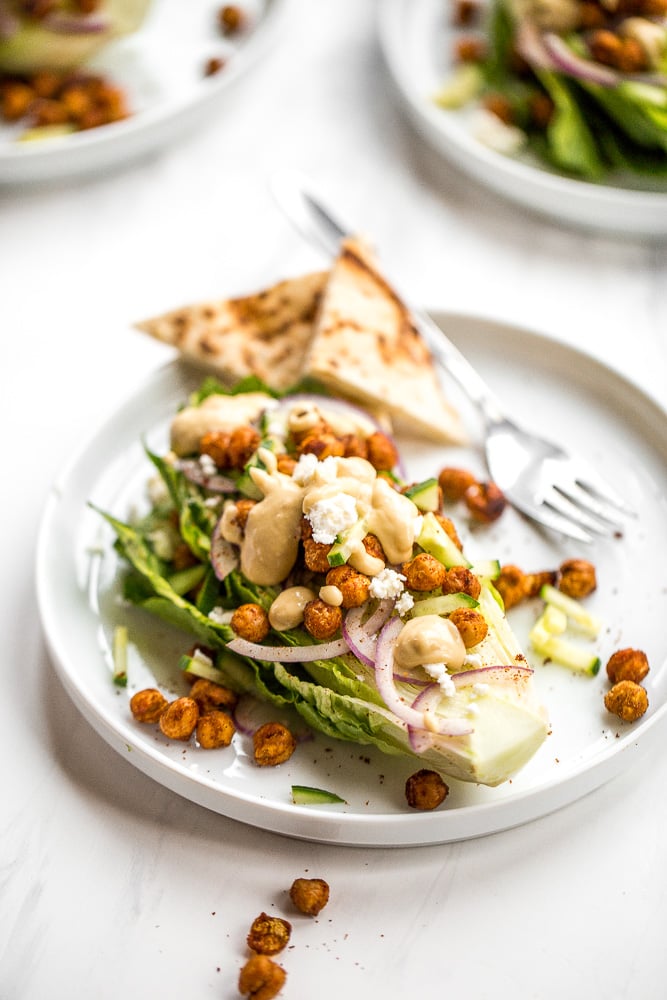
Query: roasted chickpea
<point x="231" y="19"/>
<point x="354" y="446"/>
<point x="323" y="445"/>
<point x="424" y="572"/>
<point x="577" y="578"/>
<point x="465" y="12"/>
<point x="242" y="508"/>
<point x="179" y="719"/>
<point x="321" y="620"/>
<point x="425" y="790"/>
<point x="183" y="557"/>
<point x="460" y="580"/>
<point x="315" y="556"/>
<point x="627" y="665"/>
<point x="469" y="48"/>
<point x="215" y="444"/>
<point x="243" y="443"/>
<point x="250" y="622"/>
<point x="471" y="625"/>
<point x="273" y="744"/>
<point x="285" y="464"/>
<point x="374" y="548"/>
<point x="454" y="482"/>
<point x="353" y="586"/>
<point x="214" y="729"/>
<point x="261" y="978"/>
<point x="535" y="581"/>
<point x="148" y="705"/>
<point x="309" y="895"/>
<point x="269" y="935"/>
<point x="210" y="695"/>
<point x="512" y="585"/>
<point x="627" y="700"/>
<point x="485" y="501"/>
<point x="382" y="453"/>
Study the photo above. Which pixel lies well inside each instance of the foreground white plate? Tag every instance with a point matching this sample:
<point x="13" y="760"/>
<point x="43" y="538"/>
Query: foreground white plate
<point x="161" y="68"/>
<point x="416" y="39"/>
<point x="551" y="386"/>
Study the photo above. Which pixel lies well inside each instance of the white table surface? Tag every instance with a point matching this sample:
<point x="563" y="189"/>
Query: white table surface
<point x="112" y="886"/>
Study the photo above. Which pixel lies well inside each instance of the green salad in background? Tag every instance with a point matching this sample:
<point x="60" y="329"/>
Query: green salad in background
<point x="581" y="84"/>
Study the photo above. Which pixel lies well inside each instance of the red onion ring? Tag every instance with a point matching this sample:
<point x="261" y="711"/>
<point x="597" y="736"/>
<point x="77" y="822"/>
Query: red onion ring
<point x="422" y="739"/>
<point x="70" y="24"/>
<point x="224" y="556"/>
<point x="379" y="616"/>
<point x="289" y="654"/>
<point x="216" y="483"/>
<point x="493" y="675"/>
<point x="361" y="642"/>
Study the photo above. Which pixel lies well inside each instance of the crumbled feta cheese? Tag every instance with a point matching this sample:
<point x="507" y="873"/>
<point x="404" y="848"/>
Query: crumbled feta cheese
<point x="208" y="466"/>
<point x="480" y="688"/>
<point x="388" y="583"/>
<point x="331" y="515"/>
<point x="473" y="709"/>
<point x="304" y="469"/>
<point x="220" y="616"/>
<point x="439" y="673"/>
<point x="473" y="660"/>
<point x="405" y="603"/>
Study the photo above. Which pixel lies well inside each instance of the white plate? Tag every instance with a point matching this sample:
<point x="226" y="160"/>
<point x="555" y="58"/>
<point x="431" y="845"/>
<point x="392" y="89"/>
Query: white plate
<point x="161" y="68"/>
<point x="416" y="38"/>
<point x="553" y="387"/>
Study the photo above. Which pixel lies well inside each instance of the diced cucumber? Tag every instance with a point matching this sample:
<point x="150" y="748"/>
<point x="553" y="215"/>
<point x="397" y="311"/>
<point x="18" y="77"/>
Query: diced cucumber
<point x="486" y="569"/>
<point x="434" y="539"/>
<point x="425" y="495"/>
<point x="464" y="84"/>
<point x="346" y="542"/>
<point x="199" y="665"/>
<point x="567" y="654"/>
<point x="443" y="604"/>
<point x="244" y="483"/>
<point x="304" y="795"/>
<point x="554" y="620"/>
<point x="119" y="653"/>
<point x="573" y="609"/>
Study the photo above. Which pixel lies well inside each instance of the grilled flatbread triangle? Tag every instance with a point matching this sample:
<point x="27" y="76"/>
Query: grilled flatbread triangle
<point x="366" y="347"/>
<point x="266" y="334"/>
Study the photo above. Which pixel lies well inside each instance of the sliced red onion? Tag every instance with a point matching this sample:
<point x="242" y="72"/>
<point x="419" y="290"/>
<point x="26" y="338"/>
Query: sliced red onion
<point x="224" y="556"/>
<point x="492" y="675"/>
<point x="384" y="675"/>
<point x="289" y="654"/>
<point x="422" y="739"/>
<point x="361" y="642"/>
<point x="379" y="616"/>
<point x="9" y="23"/>
<point x="71" y="24"/>
<point x="529" y="44"/>
<point x="250" y="713"/>
<point x="567" y="61"/>
<point x="194" y="473"/>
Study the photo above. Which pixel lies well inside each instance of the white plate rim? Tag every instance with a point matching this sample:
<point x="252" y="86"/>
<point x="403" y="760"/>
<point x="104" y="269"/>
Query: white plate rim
<point x="600" y="206"/>
<point x="325" y="824"/>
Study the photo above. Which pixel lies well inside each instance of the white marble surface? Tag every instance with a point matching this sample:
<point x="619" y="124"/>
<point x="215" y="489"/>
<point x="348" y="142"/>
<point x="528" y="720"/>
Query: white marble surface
<point x="113" y="887"/>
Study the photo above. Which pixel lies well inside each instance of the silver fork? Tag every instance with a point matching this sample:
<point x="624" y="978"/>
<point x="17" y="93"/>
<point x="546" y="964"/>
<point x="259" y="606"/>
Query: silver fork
<point x="538" y="477"/>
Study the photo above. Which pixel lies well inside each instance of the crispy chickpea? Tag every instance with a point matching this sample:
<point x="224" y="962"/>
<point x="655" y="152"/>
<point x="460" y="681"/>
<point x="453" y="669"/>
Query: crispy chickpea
<point x="627" y="700"/>
<point x="540" y="109"/>
<point x="374" y="548"/>
<point x="591" y="15"/>
<point x="243" y="507"/>
<point x="382" y="453"/>
<point x="469" y="48"/>
<point x="17" y="98"/>
<point x="471" y="625"/>
<point x="261" y="978"/>
<point x="285" y="464"/>
<point x="179" y="719"/>
<point x="269" y="935"/>
<point x="323" y="445"/>
<point x="309" y="895"/>
<point x="354" y="446"/>
<point x="424" y="572"/>
<point x="231" y="19"/>
<point x="315" y="556"/>
<point x="243" y="442"/>
<point x="273" y="744"/>
<point x="214" y="729"/>
<point x="499" y="106"/>
<point x="627" y="665"/>
<point x="215" y="444"/>
<point x="353" y="586"/>
<point x="577" y="578"/>
<point x="604" y="46"/>
<point x="512" y="585"/>
<point x="183" y="557"/>
<point x="465" y="12"/>
<point x="460" y="580"/>
<point x="534" y="582"/>
<point x="322" y="620"/>
<point x="210" y="695"/>
<point x="449" y="528"/>
<point x="148" y="705"/>
<point x="454" y="482"/>
<point x="425" y="790"/>
<point x="250" y="622"/>
<point x="485" y="501"/>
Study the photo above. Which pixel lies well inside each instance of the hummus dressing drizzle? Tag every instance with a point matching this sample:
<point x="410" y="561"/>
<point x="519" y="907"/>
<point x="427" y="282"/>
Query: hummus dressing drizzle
<point x="429" y="639"/>
<point x="215" y="413"/>
<point x="286" y="612"/>
<point x="271" y="541"/>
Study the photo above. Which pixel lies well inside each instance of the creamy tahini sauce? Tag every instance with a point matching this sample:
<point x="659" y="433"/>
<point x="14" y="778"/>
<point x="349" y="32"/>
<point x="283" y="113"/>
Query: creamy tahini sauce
<point x="286" y="612"/>
<point x="215" y="413"/>
<point x="271" y="539"/>
<point x="429" y="639"/>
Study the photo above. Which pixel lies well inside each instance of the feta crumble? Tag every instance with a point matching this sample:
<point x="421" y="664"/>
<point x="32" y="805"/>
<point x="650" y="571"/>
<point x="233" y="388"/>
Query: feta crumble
<point x="388" y="583"/>
<point x="304" y="469"/>
<point x="439" y="673"/>
<point x="331" y="515"/>
<point x="404" y="604"/>
<point x="208" y="466"/>
<point x="220" y="616"/>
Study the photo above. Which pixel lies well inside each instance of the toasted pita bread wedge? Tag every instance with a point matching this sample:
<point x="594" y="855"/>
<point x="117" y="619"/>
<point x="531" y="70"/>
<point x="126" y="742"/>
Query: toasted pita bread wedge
<point x="266" y="334"/>
<point x="366" y="347"/>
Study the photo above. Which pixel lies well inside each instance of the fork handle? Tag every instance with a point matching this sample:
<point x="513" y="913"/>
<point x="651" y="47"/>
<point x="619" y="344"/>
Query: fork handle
<point x="450" y="359"/>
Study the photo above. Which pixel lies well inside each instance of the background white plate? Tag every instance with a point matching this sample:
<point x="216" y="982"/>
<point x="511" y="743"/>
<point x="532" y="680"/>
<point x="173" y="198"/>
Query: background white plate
<point x="416" y="38"/>
<point x="551" y="386"/>
<point x="161" y="68"/>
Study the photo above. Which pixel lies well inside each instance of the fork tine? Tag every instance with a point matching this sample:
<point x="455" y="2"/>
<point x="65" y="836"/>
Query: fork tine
<point x="550" y="518"/>
<point x="560" y="503"/>
<point x="593" y="484"/>
<point x="590" y="504"/>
